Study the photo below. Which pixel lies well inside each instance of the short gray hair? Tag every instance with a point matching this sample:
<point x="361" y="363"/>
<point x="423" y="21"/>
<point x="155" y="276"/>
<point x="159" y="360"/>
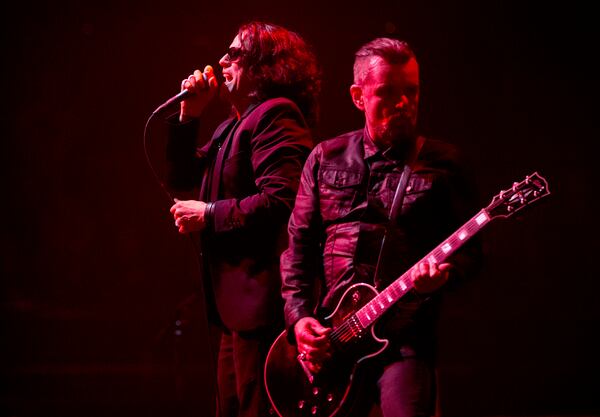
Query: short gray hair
<point x="391" y="50"/>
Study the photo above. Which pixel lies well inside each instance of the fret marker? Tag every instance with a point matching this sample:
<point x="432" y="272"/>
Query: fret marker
<point x="432" y="260"/>
<point x="368" y="317"/>
<point x="402" y="285"/>
<point x="482" y="218"/>
<point x="381" y="305"/>
<point x="462" y="235"/>
<point x="446" y="247"/>
<point x="389" y="298"/>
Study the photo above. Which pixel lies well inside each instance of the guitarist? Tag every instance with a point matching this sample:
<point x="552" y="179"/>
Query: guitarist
<point x="341" y="231"/>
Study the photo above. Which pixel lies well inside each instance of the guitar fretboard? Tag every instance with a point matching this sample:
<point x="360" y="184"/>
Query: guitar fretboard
<point x="371" y="311"/>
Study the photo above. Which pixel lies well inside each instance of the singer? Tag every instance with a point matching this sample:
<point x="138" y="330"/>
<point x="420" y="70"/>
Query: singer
<point x="248" y="174"/>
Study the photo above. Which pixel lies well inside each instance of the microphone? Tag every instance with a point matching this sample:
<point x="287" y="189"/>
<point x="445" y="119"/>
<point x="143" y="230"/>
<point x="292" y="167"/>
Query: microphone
<point x="182" y="95"/>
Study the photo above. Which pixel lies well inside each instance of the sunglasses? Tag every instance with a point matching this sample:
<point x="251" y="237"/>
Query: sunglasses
<point x="234" y="53"/>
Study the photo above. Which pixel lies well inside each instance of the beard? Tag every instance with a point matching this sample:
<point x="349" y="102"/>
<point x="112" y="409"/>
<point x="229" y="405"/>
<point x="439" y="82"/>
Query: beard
<point x="397" y="131"/>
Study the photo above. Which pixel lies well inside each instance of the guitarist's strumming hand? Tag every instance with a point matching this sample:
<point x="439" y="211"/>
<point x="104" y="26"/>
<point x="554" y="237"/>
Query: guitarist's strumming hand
<point x="428" y="276"/>
<point x="313" y="342"/>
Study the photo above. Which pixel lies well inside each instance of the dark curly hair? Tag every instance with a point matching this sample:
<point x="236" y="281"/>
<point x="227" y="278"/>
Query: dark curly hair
<point x="280" y="64"/>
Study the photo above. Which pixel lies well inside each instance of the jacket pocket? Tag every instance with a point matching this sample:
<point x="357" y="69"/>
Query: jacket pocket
<point x="337" y="191"/>
<point x="418" y="189"/>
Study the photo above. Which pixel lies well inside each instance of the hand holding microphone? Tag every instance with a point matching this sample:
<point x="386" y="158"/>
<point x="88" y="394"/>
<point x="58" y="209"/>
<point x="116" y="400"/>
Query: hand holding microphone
<point x="197" y="90"/>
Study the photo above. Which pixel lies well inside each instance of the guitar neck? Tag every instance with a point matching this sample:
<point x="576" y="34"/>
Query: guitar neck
<point x="371" y="311"/>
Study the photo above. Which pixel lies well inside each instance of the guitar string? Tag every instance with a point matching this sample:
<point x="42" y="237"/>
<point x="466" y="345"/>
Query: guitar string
<point x="344" y="332"/>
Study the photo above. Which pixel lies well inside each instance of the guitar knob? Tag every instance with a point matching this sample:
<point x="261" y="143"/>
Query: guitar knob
<point x="301" y="404"/>
<point x="315" y="391"/>
<point x="314" y="410"/>
<point x="329" y="397"/>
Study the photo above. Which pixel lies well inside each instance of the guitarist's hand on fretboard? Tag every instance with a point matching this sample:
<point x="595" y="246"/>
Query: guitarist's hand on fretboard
<point x="428" y="276"/>
<point x="313" y="342"/>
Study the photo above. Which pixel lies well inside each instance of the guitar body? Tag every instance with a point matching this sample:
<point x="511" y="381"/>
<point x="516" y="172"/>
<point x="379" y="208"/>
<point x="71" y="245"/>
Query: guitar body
<point x="288" y="383"/>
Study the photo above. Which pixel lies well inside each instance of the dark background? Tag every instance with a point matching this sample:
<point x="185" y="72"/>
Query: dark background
<point x="94" y="272"/>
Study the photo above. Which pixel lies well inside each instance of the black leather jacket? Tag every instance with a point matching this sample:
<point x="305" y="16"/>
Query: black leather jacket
<point x="340" y="217"/>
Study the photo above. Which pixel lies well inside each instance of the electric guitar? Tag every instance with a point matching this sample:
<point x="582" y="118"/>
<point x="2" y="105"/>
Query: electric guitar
<point x="296" y="392"/>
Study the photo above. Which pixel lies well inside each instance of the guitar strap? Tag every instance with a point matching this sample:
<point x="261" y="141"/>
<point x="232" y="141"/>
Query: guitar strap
<point x="398" y="198"/>
<point x="399" y="194"/>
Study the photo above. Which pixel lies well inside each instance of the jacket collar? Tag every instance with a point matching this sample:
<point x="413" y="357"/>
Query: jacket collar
<point x="391" y="153"/>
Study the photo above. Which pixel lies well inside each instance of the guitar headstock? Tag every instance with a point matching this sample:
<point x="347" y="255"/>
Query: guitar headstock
<point x="522" y="194"/>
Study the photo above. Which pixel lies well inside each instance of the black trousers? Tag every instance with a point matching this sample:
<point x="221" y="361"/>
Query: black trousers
<point x="240" y="373"/>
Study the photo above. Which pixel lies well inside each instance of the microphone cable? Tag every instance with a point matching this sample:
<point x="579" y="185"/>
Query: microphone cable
<point x="197" y="250"/>
<point x="166" y="192"/>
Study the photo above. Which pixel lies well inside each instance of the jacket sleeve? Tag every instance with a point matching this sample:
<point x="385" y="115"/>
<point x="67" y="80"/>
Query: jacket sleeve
<point x="184" y="160"/>
<point x="279" y="144"/>
<point x="302" y="262"/>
